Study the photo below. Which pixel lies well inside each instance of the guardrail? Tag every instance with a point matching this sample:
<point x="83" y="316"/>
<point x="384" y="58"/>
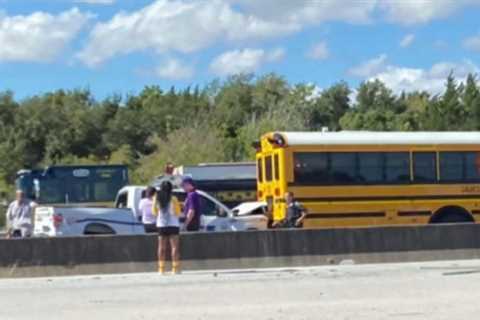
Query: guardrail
<point x="112" y="254"/>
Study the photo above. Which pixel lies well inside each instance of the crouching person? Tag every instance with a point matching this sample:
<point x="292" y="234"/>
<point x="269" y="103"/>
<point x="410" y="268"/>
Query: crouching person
<point x="168" y="225"/>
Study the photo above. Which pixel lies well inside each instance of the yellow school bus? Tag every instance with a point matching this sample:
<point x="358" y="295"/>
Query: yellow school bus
<point x="362" y="178"/>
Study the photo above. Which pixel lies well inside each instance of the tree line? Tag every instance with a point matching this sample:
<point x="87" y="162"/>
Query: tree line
<point x="217" y="122"/>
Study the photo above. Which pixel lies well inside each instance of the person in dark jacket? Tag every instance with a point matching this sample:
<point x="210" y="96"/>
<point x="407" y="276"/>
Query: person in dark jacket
<point x="295" y="214"/>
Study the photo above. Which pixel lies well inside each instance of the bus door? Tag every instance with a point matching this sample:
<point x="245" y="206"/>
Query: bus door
<point x="273" y="184"/>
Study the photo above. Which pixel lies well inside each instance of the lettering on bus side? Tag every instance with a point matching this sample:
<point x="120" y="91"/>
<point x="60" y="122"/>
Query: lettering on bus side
<point x="471" y="189"/>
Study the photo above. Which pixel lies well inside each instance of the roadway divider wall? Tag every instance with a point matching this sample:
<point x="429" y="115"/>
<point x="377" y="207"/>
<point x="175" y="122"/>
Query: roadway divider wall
<point x="253" y="249"/>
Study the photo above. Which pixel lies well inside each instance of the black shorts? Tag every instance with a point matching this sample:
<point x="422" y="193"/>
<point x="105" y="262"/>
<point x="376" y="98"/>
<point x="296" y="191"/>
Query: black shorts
<point x="150" y="228"/>
<point x="168" y="231"/>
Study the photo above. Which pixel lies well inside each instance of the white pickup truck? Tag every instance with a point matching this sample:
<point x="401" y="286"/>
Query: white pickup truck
<point x="53" y="221"/>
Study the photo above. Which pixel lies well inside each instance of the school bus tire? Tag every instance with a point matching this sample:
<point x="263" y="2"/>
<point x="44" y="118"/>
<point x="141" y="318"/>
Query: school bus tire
<point x="452" y="214"/>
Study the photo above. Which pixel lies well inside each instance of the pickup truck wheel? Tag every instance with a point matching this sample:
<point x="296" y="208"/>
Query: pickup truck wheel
<point x="97" y="228"/>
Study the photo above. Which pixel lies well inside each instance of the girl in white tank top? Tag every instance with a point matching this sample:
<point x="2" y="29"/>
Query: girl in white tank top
<point x="168" y="227"/>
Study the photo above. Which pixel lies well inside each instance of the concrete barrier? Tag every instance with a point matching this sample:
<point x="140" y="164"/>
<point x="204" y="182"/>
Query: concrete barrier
<point x="113" y="254"/>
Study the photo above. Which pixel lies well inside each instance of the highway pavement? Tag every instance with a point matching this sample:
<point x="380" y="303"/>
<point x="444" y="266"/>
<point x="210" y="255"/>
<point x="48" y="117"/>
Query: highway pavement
<point x="431" y="290"/>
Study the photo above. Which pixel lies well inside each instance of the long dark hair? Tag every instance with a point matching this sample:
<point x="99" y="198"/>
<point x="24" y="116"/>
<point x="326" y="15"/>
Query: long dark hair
<point x="164" y="195"/>
<point x="150" y="192"/>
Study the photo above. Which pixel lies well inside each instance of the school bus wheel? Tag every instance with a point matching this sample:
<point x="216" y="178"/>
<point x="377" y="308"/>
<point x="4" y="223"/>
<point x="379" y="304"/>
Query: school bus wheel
<point x="452" y="214"/>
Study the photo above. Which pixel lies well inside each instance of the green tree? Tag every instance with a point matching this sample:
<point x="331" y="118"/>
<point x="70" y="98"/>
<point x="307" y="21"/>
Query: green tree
<point x="233" y="104"/>
<point x="471" y="102"/>
<point x="447" y="112"/>
<point x="375" y="120"/>
<point x="186" y="146"/>
<point x="329" y="107"/>
<point x="375" y="95"/>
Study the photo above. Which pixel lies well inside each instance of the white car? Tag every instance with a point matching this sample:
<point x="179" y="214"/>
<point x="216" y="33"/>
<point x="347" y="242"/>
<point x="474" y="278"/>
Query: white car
<point x="250" y="208"/>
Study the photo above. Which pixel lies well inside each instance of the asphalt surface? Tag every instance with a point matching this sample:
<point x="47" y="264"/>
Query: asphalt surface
<point x="435" y="290"/>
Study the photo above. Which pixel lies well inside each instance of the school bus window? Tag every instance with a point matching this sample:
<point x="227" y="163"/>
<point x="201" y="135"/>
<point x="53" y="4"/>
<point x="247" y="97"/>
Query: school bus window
<point x="472" y="166"/>
<point x="260" y="170"/>
<point x="342" y="167"/>
<point x="459" y="166"/>
<point x="452" y="166"/>
<point x="268" y="168"/>
<point x="311" y="168"/>
<point x="351" y="168"/>
<point x="370" y="167"/>
<point x="276" y="167"/>
<point x="397" y="167"/>
<point x="424" y="167"/>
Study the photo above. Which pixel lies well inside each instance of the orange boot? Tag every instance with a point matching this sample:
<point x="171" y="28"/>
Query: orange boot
<point x="176" y="267"/>
<point x="161" y="267"/>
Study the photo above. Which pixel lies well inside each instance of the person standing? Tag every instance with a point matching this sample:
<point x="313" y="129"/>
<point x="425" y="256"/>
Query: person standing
<point x="146" y="210"/>
<point x="192" y="207"/>
<point x="19" y="217"/>
<point x="168" y="225"/>
<point x="169" y="175"/>
<point x="295" y="214"/>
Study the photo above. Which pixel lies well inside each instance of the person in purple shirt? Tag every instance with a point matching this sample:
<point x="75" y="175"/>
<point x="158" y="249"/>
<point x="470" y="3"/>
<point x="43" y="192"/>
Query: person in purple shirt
<point x="192" y="210"/>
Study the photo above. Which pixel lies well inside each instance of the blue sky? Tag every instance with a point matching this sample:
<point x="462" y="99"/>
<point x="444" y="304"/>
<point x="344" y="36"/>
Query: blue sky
<point x="119" y="46"/>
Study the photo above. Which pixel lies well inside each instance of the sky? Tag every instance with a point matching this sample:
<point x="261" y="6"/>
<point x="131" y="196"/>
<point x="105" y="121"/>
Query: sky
<point x="120" y="46"/>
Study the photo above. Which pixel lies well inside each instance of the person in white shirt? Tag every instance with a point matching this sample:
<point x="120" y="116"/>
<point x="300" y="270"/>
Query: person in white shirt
<point x="168" y="227"/>
<point x="146" y="205"/>
<point x="19" y="217"/>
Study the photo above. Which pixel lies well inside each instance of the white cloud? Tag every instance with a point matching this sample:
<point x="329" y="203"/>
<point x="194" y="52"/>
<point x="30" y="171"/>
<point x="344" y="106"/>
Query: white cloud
<point x="412" y="79"/>
<point x="188" y="26"/>
<point x="175" y="70"/>
<point x="40" y="36"/>
<point x="243" y="61"/>
<point x="315" y="93"/>
<point x="306" y="12"/>
<point x="369" y="67"/>
<point x="472" y="43"/>
<point x="95" y="1"/>
<point x="407" y="40"/>
<point x="319" y="51"/>
<point x="183" y="26"/>
<point x="421" y="11"/>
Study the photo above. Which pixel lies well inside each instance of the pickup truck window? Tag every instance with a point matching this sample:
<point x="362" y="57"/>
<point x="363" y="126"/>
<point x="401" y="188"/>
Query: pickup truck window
<point x="209" y="208"/>
<point x="122" y="200"/>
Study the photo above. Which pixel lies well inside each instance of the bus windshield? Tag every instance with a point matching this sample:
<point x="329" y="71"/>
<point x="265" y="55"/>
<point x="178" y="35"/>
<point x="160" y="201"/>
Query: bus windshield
<point x="73" y="184"/>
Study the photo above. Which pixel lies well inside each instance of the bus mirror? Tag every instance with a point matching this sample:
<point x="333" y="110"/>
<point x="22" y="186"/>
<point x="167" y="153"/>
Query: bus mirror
<point x="257" y="145"/>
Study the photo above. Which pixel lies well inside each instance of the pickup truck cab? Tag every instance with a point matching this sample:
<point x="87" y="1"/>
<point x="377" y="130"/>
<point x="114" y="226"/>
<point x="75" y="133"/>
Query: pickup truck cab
<point x="54" y="221"/>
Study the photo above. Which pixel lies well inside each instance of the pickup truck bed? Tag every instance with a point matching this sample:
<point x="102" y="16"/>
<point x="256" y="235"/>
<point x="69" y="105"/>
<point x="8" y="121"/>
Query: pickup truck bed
<point x="73" y="221"/>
